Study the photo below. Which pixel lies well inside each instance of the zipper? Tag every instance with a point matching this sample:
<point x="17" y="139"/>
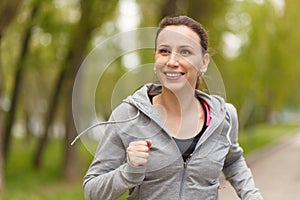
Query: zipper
<point x="185" y="164"/>
<point x="187" y="160"/>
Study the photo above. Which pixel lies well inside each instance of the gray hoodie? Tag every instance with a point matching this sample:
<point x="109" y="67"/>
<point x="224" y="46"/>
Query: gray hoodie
<point x="166" y="176"/>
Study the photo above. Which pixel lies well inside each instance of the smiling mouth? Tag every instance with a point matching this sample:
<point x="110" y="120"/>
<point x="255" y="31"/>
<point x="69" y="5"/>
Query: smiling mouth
<point x="173" y="74"/>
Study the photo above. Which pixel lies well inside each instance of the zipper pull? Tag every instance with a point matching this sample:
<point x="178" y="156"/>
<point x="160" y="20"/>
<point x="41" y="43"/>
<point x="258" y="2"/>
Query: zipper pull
<point x="185" y="164"/>
<point x="187" y="160"/>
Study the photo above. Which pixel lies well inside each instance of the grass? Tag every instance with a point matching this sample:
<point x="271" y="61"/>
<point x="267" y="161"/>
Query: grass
<point x="260" y="136"/>
<point x="23" y="182"/>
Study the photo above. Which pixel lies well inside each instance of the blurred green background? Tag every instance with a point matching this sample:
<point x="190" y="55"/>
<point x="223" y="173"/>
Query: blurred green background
<point x="254" y="44"/>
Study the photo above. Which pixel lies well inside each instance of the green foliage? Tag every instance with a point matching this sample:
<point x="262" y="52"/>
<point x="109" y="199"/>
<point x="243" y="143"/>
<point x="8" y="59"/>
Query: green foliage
<point x="23" y="182"/>
<point x="262" y="76"/>
<point x="263" y="135"/>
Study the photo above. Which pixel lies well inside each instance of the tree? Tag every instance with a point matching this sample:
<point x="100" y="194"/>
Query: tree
<point x="17" y="82"/>
<point x="82" y="37"/>
<point x="93" y="15"/>
<point x="267" y="61"/>
<point x="8" y="11"/>
<point x="1" y="137"/>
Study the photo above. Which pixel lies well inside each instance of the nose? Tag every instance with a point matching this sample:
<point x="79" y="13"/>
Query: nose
<point x="173" y="60"/>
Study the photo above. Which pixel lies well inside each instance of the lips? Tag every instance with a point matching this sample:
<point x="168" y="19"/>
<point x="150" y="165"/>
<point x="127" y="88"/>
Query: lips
<point x="173" y="75"/>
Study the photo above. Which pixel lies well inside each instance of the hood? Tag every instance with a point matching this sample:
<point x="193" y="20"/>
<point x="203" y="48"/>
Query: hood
<point x="216" y="104"/>
<point x="140" y="100"/>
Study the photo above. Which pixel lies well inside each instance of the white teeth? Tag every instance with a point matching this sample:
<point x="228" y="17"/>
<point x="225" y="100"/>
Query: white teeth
<point x="173" y="74"/>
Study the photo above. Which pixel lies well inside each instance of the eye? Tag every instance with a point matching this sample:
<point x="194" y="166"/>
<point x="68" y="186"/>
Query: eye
<point x="164" y="51"/>
<point x="185" y="52"/>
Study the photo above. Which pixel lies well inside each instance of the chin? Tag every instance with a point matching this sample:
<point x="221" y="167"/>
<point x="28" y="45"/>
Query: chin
<point x="177" y="87"/>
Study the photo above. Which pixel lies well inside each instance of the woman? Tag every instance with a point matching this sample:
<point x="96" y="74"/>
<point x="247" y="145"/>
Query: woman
<point x="178" y="139"/>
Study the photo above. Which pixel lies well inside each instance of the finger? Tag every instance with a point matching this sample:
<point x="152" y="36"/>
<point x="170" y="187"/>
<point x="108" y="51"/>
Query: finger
<point x="138" y="155"/>
<point x="139" y="143"/>
<point x="140" y="148"/>
<point x="149" y="143"/>
<point x="138" y="159"/>
<point x="138" y="162"/>
<point x="143" y="145"/>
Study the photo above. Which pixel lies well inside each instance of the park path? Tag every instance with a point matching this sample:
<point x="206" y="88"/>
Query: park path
<point x="276" y="172"/>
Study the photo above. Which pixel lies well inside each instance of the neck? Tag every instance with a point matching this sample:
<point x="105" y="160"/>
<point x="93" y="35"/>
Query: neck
<point x="177" y="102"/>
<point x="180" y="111"/>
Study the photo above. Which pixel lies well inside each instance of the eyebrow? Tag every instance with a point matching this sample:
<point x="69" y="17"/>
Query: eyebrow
<point x="181" y="46"/>
<point x="185" y="46"/>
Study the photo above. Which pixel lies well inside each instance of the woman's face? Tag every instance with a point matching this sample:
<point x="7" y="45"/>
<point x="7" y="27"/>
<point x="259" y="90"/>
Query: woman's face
<point x="178" y="57"/>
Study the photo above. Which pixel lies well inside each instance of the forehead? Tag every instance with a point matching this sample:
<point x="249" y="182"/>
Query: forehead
<point x="178" y="35"/>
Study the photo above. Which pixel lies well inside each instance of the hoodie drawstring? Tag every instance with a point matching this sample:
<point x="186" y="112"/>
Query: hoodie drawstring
<point x="103" y="123"/>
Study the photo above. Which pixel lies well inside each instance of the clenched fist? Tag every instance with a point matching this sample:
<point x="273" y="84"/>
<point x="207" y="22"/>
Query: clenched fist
<point x="138" y="152"/>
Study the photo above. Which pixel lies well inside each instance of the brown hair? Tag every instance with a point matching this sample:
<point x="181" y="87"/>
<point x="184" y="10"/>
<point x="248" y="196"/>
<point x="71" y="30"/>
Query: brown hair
<point x="186" y="21"/>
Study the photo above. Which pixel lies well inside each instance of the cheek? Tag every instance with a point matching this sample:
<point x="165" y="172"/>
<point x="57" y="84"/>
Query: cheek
<point x="193" y="64"/>
<point x="159" y="61"/>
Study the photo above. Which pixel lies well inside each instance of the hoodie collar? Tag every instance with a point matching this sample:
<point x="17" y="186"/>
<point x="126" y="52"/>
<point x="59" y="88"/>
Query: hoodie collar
<point x="140" y="99"/>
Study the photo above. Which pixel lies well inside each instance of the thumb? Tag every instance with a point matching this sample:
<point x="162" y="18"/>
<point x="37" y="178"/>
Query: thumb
<point x="149" y="143"/>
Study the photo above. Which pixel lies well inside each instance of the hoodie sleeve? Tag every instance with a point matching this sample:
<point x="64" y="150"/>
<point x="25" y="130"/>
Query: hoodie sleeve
<point x="235" y="169"/>
<point x="109" y="175"/>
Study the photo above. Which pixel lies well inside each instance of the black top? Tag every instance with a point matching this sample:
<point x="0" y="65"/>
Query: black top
<point x="187" y="146"/>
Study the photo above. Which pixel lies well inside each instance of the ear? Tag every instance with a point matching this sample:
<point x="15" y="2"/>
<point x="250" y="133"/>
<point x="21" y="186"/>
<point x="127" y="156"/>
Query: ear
<point x="154" y="69"/>
<point x="206" y="61"/>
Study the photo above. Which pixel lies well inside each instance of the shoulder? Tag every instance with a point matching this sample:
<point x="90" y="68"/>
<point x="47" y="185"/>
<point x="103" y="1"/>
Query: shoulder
<point x="123" y="111"/>
<point x="231" y="109"/>
<point x="231" y="114"/>
<point x="232" y="118"/>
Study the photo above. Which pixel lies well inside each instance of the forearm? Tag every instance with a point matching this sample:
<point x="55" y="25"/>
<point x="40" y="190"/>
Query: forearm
<point x="235" y="168"/>
<point x="113" y="184"/>
<point x="239" y="175"/>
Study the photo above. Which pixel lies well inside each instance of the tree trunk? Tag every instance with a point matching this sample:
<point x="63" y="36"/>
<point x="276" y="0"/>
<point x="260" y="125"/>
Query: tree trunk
<point x="81" y="41"/>
<point x="82" y="36"/>
<point x="77" y="49"/>
<point x="17" y="84"/>
<point x="169" y="8"/>
<point x="49" y="117"/>
<point x="1" y="124"/>
<point x="78" y="45"/>
<point x="70" y="162"/>
<point x="8" y="11"/>
<point x="27" y="125"/>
